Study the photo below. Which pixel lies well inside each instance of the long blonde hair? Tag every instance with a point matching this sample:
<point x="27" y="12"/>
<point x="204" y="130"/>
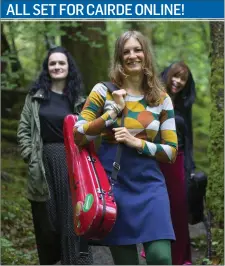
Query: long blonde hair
<point x="152" y="85"/>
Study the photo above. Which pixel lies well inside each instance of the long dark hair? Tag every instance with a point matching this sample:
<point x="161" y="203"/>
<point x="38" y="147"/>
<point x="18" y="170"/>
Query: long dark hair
<point x="74" y="84"/>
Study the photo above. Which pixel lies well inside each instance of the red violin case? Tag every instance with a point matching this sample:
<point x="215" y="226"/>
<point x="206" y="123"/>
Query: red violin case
<point x="93" y="202"/>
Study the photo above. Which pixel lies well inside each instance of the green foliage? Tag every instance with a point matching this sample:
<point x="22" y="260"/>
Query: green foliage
<point x="81" y="37"/>
<point x="187" y="41"/>
<point x="200" y="244"/>
<point x="9" y="124"/>
<point x="218" y="244"/>
<point x="17" y="241"/>
<point x="9" y="135"/>
<point x="31" y="53"/>
<point x="172" y="41"/>
<point x="9" y="78"/>
<point x="201" y="119"/>
<point x="13" y="256"/>
<point x="207" y="261"/>
<point x="114" y="29"/>
<point x="215" y="191"/>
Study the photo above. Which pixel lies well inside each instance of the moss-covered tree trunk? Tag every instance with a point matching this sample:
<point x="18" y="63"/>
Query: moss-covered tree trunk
<point x="12" y="74"/>
<point x="215" y="190"/>
<point x="87" y="42"/>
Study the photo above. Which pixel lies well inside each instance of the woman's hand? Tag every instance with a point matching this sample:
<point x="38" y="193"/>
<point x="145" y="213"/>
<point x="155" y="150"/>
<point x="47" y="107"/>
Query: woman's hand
<point x="124" y="136"/>
<point x="118" y="97"/>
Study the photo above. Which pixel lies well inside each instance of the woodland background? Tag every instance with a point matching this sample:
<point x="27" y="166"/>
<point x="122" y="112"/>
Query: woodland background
<point x="24" y="46"/>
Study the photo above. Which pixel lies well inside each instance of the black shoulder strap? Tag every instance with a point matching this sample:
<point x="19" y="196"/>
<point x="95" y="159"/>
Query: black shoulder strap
<point x="112" y="87"/>
<point x="116" y="165"/>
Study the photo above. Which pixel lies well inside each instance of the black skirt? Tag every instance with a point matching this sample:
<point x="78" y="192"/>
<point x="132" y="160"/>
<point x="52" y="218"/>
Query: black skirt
<point x="53" y="219"/>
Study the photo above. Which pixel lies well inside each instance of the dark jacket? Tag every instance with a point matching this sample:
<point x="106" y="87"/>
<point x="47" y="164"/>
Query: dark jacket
<point x="183" y="109"/>
<point x="31" y="146"/>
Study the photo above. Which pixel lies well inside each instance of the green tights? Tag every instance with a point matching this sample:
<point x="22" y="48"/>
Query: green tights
<point x="157" y="253"/>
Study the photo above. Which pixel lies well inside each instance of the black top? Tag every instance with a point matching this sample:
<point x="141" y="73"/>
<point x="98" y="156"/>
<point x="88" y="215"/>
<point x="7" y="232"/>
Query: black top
<point x="180" y="128"/>
<point x="52" y="113"/>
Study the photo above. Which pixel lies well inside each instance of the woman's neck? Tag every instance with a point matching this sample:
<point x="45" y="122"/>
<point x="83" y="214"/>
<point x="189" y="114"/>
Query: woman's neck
<point x="58" y="86"/>
<point x="133" y="85"/>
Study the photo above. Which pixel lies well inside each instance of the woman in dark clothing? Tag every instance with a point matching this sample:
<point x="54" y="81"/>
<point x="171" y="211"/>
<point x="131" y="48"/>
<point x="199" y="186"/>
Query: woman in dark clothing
<point x="55" y="94"/>
<point x="181" y="88"/>
<point x="183" y="99"/>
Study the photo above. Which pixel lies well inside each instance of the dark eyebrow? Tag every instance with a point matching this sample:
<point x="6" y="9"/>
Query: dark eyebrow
<point x="61" y="61"/>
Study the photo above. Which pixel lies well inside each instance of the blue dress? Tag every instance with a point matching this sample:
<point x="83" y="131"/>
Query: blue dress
<point x="141" y="196"/>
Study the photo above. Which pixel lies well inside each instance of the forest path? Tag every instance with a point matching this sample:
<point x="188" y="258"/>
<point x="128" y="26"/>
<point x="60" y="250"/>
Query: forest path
<point x="102" y="255"/>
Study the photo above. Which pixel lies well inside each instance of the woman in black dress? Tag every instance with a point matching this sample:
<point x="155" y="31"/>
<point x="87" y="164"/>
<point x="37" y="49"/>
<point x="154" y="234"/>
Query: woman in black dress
<point x="55" y="94"/>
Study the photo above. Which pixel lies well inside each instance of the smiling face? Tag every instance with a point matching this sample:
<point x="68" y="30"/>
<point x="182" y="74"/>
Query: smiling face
<point x="178" y="82"/>
<point x="133" y="57"/>
<point x="177" y="77"/>
<point x="58" y="66"/>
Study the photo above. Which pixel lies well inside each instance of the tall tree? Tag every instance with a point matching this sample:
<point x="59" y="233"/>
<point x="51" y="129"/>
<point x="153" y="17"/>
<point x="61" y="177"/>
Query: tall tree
<point x="87" y="42"/>
<point x="12" y="74"/>
<point x="215" y="191"/>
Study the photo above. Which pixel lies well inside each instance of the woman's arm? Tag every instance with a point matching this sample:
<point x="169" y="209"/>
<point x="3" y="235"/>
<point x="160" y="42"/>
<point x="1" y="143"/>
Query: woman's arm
<point x="166" y="151"/>
<point x="92" y="121"/>
<point x="24" y="130"/>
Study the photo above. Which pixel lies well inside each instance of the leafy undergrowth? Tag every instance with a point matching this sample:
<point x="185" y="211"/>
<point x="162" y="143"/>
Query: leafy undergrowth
<point x="17" y="237"/>
<point x="199" y="245"/>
